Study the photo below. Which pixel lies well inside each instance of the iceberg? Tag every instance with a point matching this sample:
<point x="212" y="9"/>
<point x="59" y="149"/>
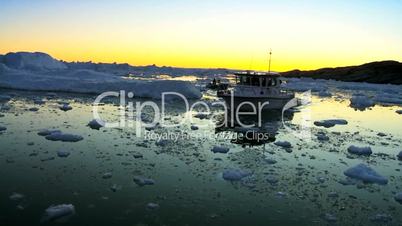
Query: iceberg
<point x="365" y="174"/>
<point x="40" y="72"/>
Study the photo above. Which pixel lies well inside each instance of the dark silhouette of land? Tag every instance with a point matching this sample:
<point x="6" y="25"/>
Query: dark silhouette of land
<point x="375" y="72"/>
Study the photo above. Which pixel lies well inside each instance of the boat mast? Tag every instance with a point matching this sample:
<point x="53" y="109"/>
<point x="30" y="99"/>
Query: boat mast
<point x="269" y="64"/>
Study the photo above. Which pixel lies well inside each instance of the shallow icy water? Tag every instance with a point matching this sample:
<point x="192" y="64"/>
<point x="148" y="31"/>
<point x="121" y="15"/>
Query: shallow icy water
<point x="188" y="177"/>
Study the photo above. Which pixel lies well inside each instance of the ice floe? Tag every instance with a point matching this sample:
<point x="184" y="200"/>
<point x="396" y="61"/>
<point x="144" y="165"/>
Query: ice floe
<point x="365" y="174"/>
<point x="360" y="150"/>
<point x="330" y="122"/>
<point x="220" y="149"/>
<point x="64" y="137"/>
<point x="58" y="212"/>
<point x="142" y="181"/>
<point x="235" y="174"/>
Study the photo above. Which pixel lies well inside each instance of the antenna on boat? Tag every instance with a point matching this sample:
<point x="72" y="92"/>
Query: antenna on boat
<point x="269" y="64"/>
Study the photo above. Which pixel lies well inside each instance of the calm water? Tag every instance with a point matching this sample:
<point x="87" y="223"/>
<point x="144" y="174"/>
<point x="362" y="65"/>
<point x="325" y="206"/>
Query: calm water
<point x="188" y="177"/>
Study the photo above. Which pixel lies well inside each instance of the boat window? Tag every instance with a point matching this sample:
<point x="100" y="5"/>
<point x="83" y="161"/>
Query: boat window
<point x="269" y="82"/>
<point x="256" y="81"/>
<point x="264" y="82"/>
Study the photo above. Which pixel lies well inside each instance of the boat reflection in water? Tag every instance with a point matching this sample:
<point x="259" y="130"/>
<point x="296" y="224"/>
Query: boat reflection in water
<point x="270" y="122"/>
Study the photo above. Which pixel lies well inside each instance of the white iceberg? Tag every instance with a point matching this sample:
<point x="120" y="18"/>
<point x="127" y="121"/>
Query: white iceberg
<point x="365" y="174"/>
<point x="58" y="212"/>
<point x="35" y="71"/>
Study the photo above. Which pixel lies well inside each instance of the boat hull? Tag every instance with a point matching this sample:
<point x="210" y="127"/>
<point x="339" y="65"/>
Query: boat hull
<point x="264" y="103"/>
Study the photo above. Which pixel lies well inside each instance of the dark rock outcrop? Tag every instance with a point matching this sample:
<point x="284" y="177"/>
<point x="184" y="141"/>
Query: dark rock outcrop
<point x="375" y="72"/>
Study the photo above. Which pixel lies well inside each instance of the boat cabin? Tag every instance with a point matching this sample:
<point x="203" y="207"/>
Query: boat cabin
<point x="259" y="79"/>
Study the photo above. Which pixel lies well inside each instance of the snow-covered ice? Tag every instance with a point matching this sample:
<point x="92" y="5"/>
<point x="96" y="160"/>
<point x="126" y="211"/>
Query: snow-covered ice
<point x="365" y="174"/>
<point x="360" y="150"/>
<point x="56" y="212"/>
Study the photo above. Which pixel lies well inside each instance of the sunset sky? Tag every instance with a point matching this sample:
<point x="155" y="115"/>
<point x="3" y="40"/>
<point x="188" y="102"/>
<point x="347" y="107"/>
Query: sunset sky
<point x="206" y="33"/>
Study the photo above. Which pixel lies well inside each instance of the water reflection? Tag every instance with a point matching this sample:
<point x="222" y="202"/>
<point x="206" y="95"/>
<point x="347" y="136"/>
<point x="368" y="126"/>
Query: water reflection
<point x="265" y="129"/>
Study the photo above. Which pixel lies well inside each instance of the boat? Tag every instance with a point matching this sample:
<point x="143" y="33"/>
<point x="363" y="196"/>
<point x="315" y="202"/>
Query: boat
<point x="256" y="91"/>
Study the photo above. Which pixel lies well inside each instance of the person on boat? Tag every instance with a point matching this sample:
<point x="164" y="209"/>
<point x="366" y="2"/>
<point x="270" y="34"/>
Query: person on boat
<point x="214" y="82"/>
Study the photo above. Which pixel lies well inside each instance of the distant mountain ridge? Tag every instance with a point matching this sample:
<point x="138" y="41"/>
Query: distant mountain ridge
<point x="381" y="72"/>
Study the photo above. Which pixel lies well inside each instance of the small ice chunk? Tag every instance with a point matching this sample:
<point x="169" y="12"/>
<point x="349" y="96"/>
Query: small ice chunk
<point x="284" y="144"/>
<point x="142" y="181"/>
<point x="333" y="194"/>
<point x="235" y="174"/>
<point x="65" y="107"/>
<point x="2" y="128"/>
<point x="398" y="197"/>
<point x="33" y="109"/>
<point x="220" y="149"/>
<point x="63" y="153"/>
<point x="381" y="134"/>
<point x="270" y="161"/>
<point x="64" y="137"/>
<point x="5" y="98"/>
<point x="45" y="132"/>
<point x="16" y="196"/>
<point x="194" y="127"/>
<point x="331" y="122"/>
<point x="359" y="150"/>
<point x="322" y="137"/>
<point x="272" y="179"/>
<point x="381" y="218"/>
<point x="162" y="142"/>
<point x="58" y="212"/>
<point x="398" y="111"/>
<point x="115" y="187"/>
<point x="361" y="102"/>
<point x="107" y="175"/>
<point x="365" y="174"/>
<point x="329" y="217"/>
<point x="152" y="206"/>
<point x="96" y="124"/>
<point x="399" y="155"/>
